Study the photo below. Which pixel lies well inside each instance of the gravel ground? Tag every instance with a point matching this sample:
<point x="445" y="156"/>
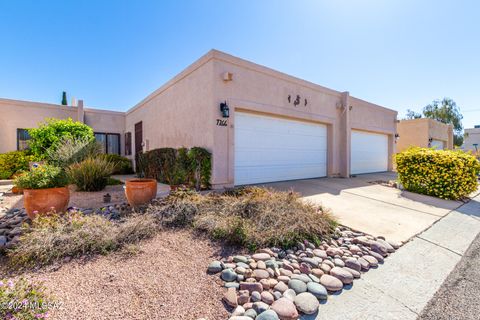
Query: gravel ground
<point x="77" y="199"/>
<point x="459" y="296"/>
<point x="166" y="280"/>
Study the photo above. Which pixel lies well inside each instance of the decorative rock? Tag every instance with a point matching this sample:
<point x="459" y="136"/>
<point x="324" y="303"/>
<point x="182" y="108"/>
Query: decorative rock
<point x="251" y="313"/>
<point x="297" y="285"/>
<point x="240" y="259"/>
<point x="240" y="270"/>
<point x="377" y="256"/>
<point x="290" y="294"/>
<point x="331" y="283"/>
<point x="281" y="286"/>
<point x="320" y="253"/>
<point x="235" y="285"/>
<point x="272" y="282"/>
<point x="239" y="318"/>
<point x="313" y="262"/>
<point x="256" y="296"/>
<point x="301" y="277"/>
<point x="372" y="261"/>
<point x="325" y="268"/>
<point x="379" y="248"/>
<point x="268" y="315"/>
<point x="277" y="295"/>
<point x="251" y="286"/>
<point x="267" y="251"/>
<point x="265" y="284"/>
<point x="267" y="297"/>
<point x="314" y="278"/>
<point x="261" y="265"/>
<point x="230" y="297"/>
<point x="243" y="297"/>
<point x="344" y="276"/>
<point x="387" y="245"/>
<point x="338" y="262"/>
<point x="283" y="279"/>
<point x="260" y="307"/>
<point x="213" y="267"/>
<point x="356" y="274"/>
<point x="285" y="309"/>
<point x="306" y="303"/>
<point x="317" y="290"/>
<point x="352" y="263"/>
<point x="261" y="256"/>
<point x="260" y="274"/>
<point x="239" y="311"/>
<point x="317" y="272"/>
<point x="364" y="263"/>
<point x="394" y="244"/>
<point x="228" y="275"/>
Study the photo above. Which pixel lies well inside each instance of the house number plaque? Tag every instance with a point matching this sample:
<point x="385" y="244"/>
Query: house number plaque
<point x="221" y="123"/>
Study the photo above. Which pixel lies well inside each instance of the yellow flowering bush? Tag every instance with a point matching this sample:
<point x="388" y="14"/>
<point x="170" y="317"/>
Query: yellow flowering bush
<point x="447" y="174"/>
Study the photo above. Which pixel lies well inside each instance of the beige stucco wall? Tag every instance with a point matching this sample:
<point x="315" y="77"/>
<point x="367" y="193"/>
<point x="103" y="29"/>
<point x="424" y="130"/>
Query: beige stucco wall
<point x="16" y="114"/>
<point x="258" y="89"/>
<point x="179" y="114"/>
<point x="416" y="132"/>
<point x="471" y="137"/>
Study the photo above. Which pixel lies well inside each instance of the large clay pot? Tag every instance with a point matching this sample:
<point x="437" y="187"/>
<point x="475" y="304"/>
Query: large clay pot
<point x="140" y="191"/>
<point x="45" y="200"/>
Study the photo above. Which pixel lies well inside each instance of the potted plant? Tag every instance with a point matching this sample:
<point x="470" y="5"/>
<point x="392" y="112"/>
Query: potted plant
<point x="140" y="191"/>
<point x="44" y="189"/>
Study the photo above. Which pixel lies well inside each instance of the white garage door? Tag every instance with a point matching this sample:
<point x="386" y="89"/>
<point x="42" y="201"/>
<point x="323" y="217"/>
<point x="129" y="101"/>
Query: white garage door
<point x="271" y="149"/>
<point x="369" y="152"/>
<point x="437" y="144"/>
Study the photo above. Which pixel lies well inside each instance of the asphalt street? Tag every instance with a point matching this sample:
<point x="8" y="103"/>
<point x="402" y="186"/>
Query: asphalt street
<point x="459" y="296"/>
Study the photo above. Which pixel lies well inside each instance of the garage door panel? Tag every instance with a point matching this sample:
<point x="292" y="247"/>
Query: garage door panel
<point x="271" y="149"/>
<point x="369" y="152"/>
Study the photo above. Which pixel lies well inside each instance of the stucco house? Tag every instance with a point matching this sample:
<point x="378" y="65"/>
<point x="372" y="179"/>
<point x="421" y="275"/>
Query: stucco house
<point x="425" y="133"/>
<point x="472" y="139"/>
<point x="261" y="125"/>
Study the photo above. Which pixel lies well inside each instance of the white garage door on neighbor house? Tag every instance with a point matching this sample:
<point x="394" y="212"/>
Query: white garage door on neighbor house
<point x="369" y="152"/>
<point x="271" y="149"/>
<point x="437" y="144"/>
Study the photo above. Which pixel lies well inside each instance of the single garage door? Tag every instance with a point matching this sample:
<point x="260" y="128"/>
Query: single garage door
<point x="369" y="152"/>
<point x="271" y="149"/>
<point x="437" y="144"/>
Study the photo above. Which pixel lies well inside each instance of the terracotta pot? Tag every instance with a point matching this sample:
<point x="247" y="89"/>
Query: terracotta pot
<point x="140" y="191"/>
<point x="42" y="201"/>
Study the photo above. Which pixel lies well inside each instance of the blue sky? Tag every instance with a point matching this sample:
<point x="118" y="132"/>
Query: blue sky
<point x="398" y="53"/>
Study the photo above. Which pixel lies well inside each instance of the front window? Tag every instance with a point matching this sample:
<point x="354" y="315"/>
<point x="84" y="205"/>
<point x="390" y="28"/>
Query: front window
<point x="109" y="142"/>
<point x="22" y="139"/>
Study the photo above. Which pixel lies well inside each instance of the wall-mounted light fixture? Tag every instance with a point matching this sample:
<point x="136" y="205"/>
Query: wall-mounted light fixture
<point x="225" y="109"/>
<point x="397" y="137"/>
<point x="430" y="140"/>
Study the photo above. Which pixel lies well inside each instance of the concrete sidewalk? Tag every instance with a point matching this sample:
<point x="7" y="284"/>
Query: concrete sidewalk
<point x="404" y="284"/>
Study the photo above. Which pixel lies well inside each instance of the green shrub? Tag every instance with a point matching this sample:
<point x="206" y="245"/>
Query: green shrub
<point x="122" y="165"/>
<point x="91" y="174"/>
<point x="191" y="167"/>
<point x="50" y="133"/>
<point x="42" y="177"/>
<point x="250" y="217"/>
<point x="15" y="162"/>
<point x="113" y="182"/>
<point x="445" y="174"/>
<point x="72" y="150"/>
<point x="23" y="299"/>
<point x="53" y="237"/>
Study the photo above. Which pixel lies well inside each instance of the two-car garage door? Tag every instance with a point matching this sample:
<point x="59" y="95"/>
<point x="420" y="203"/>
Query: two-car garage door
<point x="271" y="149"/>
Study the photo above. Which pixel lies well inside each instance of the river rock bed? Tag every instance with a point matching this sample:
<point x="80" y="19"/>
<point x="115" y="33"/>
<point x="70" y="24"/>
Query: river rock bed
<point x="283" y="284"/>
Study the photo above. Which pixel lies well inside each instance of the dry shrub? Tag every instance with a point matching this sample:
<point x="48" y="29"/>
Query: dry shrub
<point x="51" y="238"/>
<point x="250" y="217"/>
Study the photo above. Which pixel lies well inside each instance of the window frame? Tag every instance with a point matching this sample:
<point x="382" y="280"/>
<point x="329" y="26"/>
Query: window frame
<point x="106" y="134"/>
<point x="18" y="138"/>
<point x="128" y="143"/>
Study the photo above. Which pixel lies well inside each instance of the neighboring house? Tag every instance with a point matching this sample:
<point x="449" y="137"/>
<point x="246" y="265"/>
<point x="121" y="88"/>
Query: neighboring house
<point x="261" y="125"/>
<point x="425" y="133"/>
<point x="472" y="139"/>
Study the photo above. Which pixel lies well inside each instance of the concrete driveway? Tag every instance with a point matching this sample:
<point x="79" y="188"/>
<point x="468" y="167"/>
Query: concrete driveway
<point x="364" y="205"/>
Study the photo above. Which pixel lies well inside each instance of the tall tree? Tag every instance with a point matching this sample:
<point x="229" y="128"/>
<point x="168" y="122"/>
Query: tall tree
<point x="64" y="98"/>
<point x="445" y="111"/>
